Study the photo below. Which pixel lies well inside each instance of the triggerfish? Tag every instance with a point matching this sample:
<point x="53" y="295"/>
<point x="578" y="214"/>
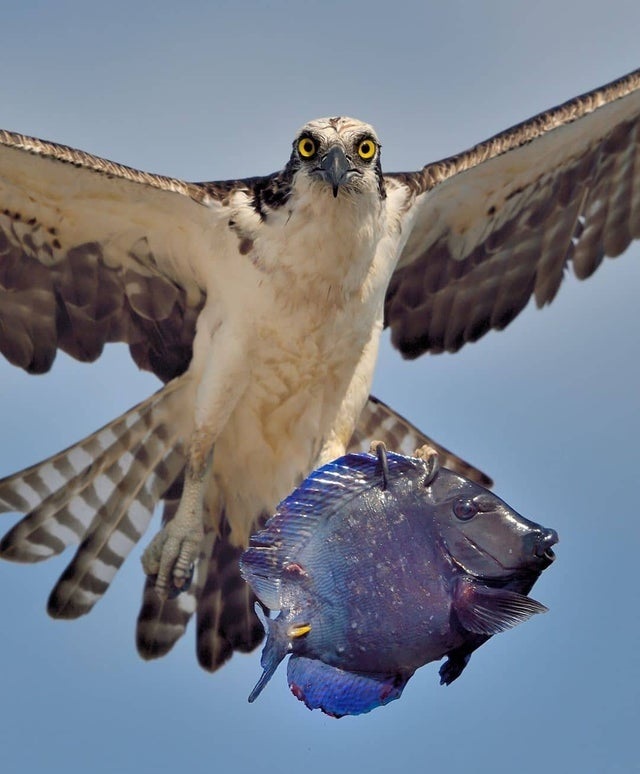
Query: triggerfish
<point x="380" y="563"/>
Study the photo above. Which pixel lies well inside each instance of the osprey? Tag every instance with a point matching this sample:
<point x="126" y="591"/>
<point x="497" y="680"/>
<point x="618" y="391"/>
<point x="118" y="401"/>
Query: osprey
<point x="260" y="304"/>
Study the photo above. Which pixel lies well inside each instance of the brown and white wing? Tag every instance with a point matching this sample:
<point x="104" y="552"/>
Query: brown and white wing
<point x="92" y="252"/>
<point x="499" y="223"/>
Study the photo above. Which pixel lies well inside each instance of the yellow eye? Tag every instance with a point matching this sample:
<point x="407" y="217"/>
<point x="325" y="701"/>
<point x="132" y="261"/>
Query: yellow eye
<point x="367" y="149"/>
<point x="307" y="148"/>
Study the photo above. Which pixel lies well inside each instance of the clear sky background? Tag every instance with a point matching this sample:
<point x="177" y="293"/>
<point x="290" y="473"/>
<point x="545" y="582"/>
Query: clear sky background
<point x="550" y="407"/>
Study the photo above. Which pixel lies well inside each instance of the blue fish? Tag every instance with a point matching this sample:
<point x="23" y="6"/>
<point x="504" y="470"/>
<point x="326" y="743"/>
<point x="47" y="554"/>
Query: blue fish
<point x="380" y="563"/>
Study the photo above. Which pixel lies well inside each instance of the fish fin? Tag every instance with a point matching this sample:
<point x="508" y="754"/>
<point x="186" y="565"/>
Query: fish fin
<point x="338" y="692"/>
<point x="458" y="658"/>
<point x="453" y="667"/>
<point x="259" y="570"/>
<point x="276" y="648"/>
<point x="485" y="610"/>
<point x="323" y="493"/>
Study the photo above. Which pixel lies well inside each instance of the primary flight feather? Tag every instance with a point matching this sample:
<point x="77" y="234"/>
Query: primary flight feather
<point x="260" y="303"/>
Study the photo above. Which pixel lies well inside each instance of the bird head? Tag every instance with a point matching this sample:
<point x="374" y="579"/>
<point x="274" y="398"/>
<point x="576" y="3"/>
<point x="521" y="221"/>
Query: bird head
<point x="341" y="153"/>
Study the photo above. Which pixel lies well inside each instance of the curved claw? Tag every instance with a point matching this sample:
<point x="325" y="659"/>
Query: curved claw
<point x="173" y="591"/>
<point x="378" y="447"/>
<point x="430" y="456"/>
<point x="170" y="558"/>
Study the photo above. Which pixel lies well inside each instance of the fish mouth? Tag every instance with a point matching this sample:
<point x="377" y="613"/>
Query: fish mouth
<point x="543" y="550"/>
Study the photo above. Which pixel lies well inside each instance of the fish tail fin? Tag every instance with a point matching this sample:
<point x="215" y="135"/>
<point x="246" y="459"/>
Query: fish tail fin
<point x="278" y="645"/>
<point x="338" y="692"/>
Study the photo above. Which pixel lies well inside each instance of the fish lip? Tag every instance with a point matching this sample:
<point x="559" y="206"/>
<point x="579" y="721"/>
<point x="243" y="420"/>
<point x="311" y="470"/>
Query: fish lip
<point x="543" y="550"/>
<point x="549" y="554"/>
<point x="542" y="554"/>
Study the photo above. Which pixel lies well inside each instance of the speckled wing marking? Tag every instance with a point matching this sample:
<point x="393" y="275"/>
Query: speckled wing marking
<point x="92" y="252"/>
<point x="379" y="422"/>
<point x="499" y="223"/>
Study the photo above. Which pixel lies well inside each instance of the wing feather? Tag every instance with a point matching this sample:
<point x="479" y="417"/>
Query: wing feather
<point x="491" y="227"/>
<point x="92" y="252"/>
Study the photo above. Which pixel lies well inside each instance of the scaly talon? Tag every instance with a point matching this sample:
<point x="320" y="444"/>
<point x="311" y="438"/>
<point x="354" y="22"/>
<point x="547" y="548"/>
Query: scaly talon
<point x="171" y="555"/>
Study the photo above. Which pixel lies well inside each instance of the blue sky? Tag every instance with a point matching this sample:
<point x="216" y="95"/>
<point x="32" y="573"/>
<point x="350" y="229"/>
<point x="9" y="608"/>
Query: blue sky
<point x="549" y="407"/>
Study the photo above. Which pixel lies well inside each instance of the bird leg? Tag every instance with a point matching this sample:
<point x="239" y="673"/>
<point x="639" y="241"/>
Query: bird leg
<point x="173" y="551"/>
<point x="224" y="376"/>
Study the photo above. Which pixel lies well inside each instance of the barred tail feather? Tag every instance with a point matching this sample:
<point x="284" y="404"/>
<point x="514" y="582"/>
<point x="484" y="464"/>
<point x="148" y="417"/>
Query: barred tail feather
<point x="379" y="422"/>
<point x="115" y="529"/>
<point x="100" y="493"/>
<point x="23" y="491"/>
<point x="226" y="618"/>
<point x="223" y="602"/>
<point x="71" y="487"/>
<point x="161" y="622"/>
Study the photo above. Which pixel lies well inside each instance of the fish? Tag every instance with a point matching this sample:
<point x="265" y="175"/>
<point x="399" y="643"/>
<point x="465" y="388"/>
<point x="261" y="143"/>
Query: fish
<point x="379" y="563"/>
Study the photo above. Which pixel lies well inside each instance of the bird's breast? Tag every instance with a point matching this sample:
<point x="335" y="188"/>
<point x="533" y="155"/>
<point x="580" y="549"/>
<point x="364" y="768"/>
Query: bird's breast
<point x="305" y="299"/>
<point x="300" y="373"/>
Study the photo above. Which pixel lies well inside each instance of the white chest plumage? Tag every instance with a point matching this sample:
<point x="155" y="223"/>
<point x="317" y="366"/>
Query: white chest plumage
<point x="305" y="304"/>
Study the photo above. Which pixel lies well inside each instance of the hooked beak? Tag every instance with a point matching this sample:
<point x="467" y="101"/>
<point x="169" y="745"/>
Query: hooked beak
<point x="334" y="168"/>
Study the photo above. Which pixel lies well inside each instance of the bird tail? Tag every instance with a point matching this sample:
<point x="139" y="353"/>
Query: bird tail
<point x="98" y="494"/>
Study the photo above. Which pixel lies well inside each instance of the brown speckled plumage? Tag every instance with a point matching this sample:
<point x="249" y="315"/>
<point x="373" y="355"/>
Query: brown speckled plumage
<point x="574" y="206"/>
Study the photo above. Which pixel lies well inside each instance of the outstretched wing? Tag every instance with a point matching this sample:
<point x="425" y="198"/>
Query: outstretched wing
<point x="92" y="252"/>
<point x="494" y="225"/>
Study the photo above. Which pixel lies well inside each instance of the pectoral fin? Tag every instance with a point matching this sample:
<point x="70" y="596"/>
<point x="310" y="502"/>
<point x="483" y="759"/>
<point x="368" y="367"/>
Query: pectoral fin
<point x="485" y="610"/>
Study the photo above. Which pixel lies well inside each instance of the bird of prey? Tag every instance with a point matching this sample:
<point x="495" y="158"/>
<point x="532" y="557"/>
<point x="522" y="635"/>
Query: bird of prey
<point x="259" y="303"/>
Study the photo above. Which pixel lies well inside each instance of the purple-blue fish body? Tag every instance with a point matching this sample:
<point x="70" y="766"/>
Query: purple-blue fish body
<point x="377" y="573"/>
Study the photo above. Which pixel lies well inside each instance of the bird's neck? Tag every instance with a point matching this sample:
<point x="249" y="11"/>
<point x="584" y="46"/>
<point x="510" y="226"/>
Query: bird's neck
<point x="324" y="243"/>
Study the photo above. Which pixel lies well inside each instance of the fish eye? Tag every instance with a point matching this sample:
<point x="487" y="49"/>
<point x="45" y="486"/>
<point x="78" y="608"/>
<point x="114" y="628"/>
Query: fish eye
<point x="465" y="509"/>
<point x="366" y="149"/>
<point x="307" y="147"/>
